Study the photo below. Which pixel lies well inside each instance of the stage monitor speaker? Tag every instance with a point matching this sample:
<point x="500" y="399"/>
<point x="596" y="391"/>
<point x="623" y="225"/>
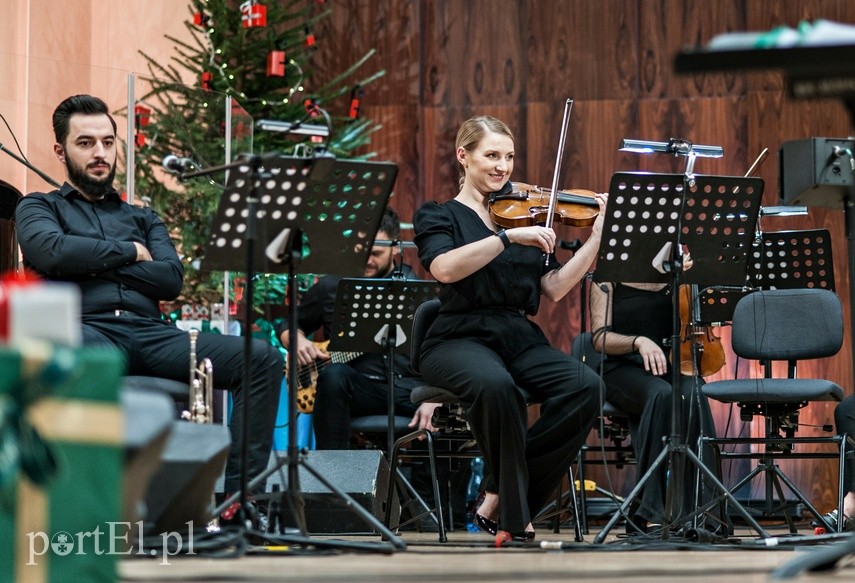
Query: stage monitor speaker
<point x="362" y="474"/>
<point x="148" y="423"/>
<point x="182" y="489"/>
<point x="816" y="171"/>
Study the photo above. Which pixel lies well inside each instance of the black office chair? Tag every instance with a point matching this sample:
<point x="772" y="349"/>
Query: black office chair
<point x="451" y="418"/>
<point x="613" y="428"/>
<point x="782" y="325"/>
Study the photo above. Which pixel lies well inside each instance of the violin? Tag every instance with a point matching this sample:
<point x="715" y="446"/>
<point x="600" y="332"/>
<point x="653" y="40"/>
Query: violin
<point x="696" y="339"/>
<point x="526" y="205"/>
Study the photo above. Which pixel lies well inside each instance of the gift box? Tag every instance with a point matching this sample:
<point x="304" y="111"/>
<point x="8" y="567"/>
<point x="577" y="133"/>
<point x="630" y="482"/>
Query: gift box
<point x="33" y="308"/>
<point x="61" y="454"/>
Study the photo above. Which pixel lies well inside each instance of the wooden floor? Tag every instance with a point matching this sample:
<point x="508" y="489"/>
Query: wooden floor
<point x="468" y="558"/>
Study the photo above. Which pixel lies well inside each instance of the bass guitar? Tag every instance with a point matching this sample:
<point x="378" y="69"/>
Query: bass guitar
<point x="307" y="375"/>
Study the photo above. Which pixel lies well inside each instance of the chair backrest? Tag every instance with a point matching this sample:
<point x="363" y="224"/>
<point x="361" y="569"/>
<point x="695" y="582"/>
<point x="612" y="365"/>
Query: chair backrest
<point x="425" y="315"/>
<point x="788" y="324"/>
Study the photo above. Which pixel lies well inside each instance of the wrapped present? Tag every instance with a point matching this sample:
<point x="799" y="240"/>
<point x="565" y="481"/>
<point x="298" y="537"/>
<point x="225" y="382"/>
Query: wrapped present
<point x="33" y="308"/>
<point x="61" y="457"/>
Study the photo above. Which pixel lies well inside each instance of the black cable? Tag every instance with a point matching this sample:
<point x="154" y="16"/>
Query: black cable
<point x="15" y="139"/>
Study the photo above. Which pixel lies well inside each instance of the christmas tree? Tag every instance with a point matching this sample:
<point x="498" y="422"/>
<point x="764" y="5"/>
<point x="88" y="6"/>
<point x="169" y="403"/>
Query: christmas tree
<point x="261" y="56"/>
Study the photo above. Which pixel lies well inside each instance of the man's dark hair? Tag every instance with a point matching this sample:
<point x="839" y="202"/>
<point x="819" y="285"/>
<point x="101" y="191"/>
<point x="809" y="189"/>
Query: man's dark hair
<point x="77" y="104"/>
<point x="390" y="224"/>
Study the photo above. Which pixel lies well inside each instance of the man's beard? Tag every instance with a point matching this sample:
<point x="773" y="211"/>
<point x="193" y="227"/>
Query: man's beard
<point x="93" y="187"/>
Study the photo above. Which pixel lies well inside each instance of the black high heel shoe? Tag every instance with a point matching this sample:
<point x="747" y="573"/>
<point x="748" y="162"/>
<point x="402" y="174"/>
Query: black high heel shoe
<point x="482" y="522"/>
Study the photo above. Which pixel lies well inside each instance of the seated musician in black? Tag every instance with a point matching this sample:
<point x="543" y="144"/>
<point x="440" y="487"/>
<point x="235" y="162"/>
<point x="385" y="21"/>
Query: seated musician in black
<point x="631" y="324"/>
<point x="844" y="421"/>
<point x="359" y="387"/>
<point x="123" y="259"/>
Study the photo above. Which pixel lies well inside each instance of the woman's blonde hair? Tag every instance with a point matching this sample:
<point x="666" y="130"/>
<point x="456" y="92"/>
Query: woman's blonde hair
<point x="473" y="130"/>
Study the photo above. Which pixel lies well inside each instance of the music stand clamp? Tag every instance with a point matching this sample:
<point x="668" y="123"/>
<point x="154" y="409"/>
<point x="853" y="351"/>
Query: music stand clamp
<point x="318" y="214"/>
<point x="376" y="315"/>
<point x="648" y="218"/>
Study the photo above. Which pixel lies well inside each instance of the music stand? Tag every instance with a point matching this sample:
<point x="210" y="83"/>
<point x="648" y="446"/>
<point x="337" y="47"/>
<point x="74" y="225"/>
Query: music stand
<point x="320" y="214"/>
<point x="648" y="218"/>
<point x="779" y="260"/>
<point x="376" y="316"/>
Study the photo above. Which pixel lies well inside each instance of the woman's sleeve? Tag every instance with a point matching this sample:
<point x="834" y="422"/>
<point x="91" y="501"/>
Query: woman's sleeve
<point x="433" y="232"/>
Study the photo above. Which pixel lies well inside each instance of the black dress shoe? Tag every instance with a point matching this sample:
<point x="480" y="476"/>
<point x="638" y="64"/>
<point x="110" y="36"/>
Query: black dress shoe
<point x="526" y="537"/>
<point x="485" y="524"/>
<point x="482" y="522"/>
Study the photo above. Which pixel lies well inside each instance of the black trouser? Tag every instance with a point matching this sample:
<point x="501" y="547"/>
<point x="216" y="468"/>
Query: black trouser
<point x="648" y="401"/>
<point x="524" y="466"/>
<point x="844" y="421"/>
<point x="157" y="348"/>
<point x="344" y="392"/>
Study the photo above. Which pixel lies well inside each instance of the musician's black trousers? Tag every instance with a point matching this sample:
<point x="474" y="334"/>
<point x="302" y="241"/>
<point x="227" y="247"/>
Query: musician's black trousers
<point x="157" y="348"/>
<point x="343" y="393"/>
<point x="524" y="466"/>
<point x="844" y="421"/>
<point x="647" y="399"/>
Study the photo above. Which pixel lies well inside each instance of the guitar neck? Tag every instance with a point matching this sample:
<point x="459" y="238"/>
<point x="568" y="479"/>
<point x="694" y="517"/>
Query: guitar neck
<point x="342" y="357"/>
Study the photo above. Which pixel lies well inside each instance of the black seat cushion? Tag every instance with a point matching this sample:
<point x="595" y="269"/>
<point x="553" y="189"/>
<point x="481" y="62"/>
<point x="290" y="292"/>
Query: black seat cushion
<point x="773" y="390"/>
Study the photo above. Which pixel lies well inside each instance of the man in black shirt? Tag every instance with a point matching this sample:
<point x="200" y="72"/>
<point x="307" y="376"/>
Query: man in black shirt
<point x="122" y="258"/>
<point x="359" y="387"/>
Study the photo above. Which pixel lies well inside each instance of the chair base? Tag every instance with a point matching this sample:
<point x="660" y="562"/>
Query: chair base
<point x="781" y="448"/>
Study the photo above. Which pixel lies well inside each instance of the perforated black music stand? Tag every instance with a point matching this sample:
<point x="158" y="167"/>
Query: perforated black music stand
<point x="321" y="215"/>
<point x="648" y="218"/>
<point x="376" y="315"/>
<point x="779" y="260"/>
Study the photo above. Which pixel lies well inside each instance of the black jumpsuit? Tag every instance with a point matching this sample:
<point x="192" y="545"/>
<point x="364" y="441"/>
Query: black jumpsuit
<point x="483" y="348"/>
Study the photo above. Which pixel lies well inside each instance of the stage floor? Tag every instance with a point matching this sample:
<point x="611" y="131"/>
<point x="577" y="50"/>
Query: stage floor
<point x="468" y="558"/>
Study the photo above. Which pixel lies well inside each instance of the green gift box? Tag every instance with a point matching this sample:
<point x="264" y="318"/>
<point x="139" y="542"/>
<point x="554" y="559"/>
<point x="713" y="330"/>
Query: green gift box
<point x="65" y="524"/>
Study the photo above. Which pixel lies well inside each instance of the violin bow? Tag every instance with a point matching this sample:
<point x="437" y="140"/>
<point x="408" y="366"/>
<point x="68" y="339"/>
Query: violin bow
<point x="553" y="195"/>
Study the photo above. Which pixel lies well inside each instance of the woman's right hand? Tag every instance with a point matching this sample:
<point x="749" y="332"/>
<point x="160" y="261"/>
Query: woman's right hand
<point x="540" y="237"/>
<point x="652" y="355"/>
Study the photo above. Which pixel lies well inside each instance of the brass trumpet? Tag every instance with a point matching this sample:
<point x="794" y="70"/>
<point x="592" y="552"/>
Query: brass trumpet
<point x="201" y="387"/>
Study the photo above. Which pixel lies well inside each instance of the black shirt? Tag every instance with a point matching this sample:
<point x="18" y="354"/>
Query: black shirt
<point x="639" y="312"/>
<point x="65" y="237"/>
<point x="511" y="280"/>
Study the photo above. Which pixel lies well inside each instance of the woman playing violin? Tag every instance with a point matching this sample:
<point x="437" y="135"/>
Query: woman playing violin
<point x="482" y="346"/>
<point x="630" y="324"/>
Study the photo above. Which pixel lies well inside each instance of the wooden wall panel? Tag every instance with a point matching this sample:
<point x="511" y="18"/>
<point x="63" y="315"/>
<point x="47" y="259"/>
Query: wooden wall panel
<point x="474" y="54"/>
<point x="666" y="27"/>
<point x="391" y="29"/>
<point x="580" y="49"/>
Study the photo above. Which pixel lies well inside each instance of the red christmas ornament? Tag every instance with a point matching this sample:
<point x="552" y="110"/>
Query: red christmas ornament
<point x="355" y="100"/>
<point x="142" y="117"/>
<point x="206" y="79"/>
<point x="253" y="14"/>
<point x="200" y="19"/>
<point x="310" y="37"/>
<point x="276" y="64"/>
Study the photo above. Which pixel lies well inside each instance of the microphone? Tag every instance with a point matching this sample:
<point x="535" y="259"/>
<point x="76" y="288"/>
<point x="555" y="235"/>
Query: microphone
<point x="176" y="165"/>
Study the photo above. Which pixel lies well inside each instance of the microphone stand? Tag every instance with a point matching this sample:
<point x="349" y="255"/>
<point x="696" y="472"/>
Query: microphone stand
<point x="41" y="174"/>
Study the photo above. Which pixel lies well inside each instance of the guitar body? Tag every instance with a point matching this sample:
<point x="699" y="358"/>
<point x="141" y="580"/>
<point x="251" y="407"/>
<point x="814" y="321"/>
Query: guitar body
<point x="307" y="376"/>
